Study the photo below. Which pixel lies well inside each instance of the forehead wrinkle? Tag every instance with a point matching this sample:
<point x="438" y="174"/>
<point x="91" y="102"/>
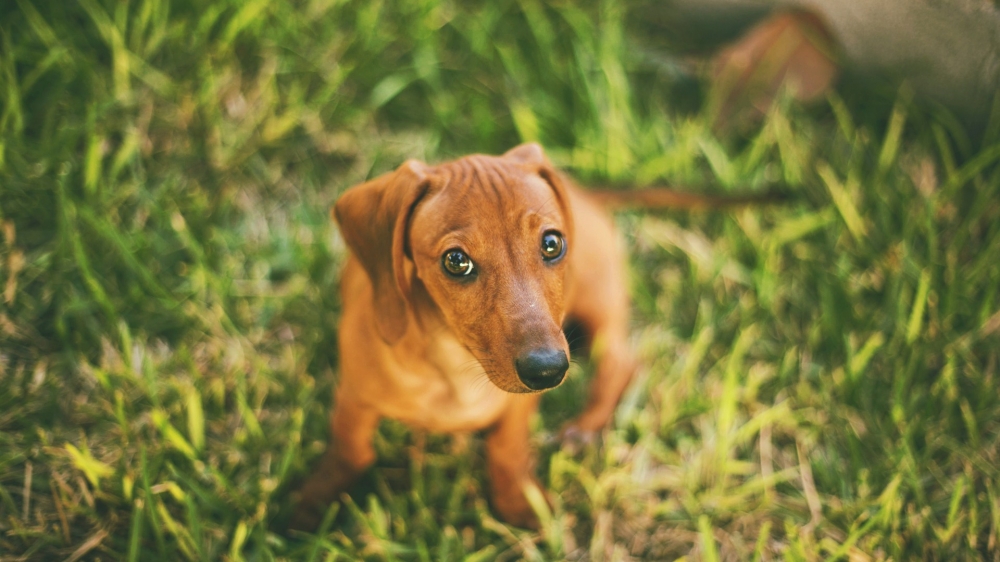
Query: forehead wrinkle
<point x="482" y="180"/>
<point x="498" y="182"/>
<point x="484" y="173"/>
<point x="460" y="177"/>
<point x="480" y="192"/>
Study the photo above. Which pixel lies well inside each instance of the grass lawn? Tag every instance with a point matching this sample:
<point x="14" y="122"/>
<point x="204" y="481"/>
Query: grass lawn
<point x="819" y="378"/>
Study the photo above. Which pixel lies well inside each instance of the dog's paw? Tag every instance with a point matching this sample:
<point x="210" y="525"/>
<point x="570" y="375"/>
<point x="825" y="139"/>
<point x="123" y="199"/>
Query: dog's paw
<point x="304" y="519"/>
<point x="512" y="506"/>
<point x="574" y="439"/>
<point x="523" y="517"/>
<point x="514" y="509"/>
<point x="306" y="513"/>
<point x="310" y="511"/>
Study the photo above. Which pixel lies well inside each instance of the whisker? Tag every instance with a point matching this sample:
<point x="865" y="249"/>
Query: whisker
<point x="542" y="209"/>
<point x="482" y="382"/>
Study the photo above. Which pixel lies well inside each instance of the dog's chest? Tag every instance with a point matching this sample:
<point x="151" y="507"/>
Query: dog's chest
<point x="450" y="392"/>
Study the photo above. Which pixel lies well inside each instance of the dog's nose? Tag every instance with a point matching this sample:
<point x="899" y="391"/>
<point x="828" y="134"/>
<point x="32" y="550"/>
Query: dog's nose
<point x="542" y="368"/>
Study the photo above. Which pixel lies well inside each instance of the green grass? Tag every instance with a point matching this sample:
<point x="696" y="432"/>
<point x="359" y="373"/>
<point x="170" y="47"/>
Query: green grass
<point x="819" y="379"/>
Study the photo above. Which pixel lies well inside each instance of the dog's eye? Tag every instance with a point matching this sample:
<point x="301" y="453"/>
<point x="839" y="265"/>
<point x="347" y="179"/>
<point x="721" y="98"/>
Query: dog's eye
<point x="457" y="264"/>
<point x="553" y="246"/>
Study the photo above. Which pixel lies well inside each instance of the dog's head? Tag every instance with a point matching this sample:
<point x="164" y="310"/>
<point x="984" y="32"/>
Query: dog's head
<point x="486" y="240"/>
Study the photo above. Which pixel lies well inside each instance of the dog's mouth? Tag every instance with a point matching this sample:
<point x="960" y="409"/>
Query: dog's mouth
<point x="507" y="382"/>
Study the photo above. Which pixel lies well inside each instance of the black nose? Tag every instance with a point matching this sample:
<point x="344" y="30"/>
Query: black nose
<point x="542" y="368"/>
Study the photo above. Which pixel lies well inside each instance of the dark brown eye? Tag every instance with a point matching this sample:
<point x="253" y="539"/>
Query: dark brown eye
<point x="553" y="246"/>
<point x="457" y="264"/>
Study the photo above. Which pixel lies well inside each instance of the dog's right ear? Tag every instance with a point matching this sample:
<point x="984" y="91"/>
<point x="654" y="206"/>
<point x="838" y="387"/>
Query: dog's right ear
<point x="373" y="217"/>
<point x="528" y="153"/>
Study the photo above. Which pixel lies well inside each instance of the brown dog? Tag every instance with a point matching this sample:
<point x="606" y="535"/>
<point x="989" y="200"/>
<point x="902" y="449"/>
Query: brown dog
<point x="464" y="271"/>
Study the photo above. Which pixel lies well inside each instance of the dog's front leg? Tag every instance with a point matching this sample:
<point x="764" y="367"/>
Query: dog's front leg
<point x="510" y="462"/>
<point x="347" y="456"/>
<point x="614" y="370"/>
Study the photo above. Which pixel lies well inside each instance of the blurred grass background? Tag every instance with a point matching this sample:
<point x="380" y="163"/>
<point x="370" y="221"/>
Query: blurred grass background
<point x="819" y="381"/>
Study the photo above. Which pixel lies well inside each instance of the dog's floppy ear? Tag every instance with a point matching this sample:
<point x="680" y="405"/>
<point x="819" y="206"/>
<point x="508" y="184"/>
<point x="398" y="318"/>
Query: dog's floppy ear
<point x="373" y="217"/>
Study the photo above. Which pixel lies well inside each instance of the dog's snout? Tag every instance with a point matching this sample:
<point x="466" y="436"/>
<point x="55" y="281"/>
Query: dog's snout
<point x="543" y="368"/>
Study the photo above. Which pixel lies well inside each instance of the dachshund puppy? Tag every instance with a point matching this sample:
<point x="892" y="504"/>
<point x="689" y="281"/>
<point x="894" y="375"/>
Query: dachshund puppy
<point x="467" y="271"/>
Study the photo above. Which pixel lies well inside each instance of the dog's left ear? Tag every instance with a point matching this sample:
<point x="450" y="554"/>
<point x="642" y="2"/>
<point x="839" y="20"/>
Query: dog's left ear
<point x="527" y="153"/>
<point x="373" y="217"/>
<point x="531" y="154"/>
